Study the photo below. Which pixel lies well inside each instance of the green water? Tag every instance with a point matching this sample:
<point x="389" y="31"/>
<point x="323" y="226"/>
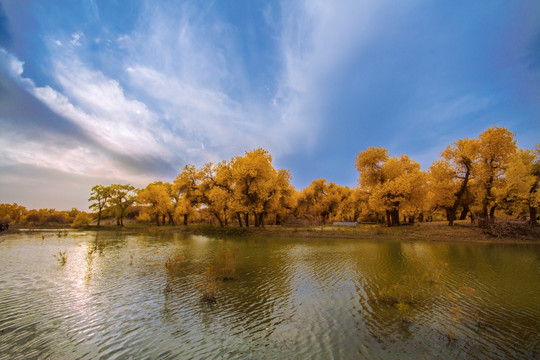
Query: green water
<point x="290" y="298"/>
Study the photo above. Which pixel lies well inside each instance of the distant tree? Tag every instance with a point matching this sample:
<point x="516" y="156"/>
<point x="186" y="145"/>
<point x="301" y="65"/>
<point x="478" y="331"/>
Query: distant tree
<point x="216" y="190"/>
<point x="156" y="200"/>
<point x="121" y="197"/>
<point x="254" y="180"/>
<point x="185" y="191"/>
<point x="81" y="219"/>
<point x="99" y="196"/>
<point x="283" y="199"/>
<point x="323" y="201"/>
<point x="393" y="183"/>
<point x="12" y="212"/>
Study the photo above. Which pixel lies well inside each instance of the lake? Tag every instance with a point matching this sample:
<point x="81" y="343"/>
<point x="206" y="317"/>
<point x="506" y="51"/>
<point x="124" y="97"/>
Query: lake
<point x="140" y="295"/>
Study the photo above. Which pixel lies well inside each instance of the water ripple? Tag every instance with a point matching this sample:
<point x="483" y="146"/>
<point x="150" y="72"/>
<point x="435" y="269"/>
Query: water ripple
<point x="313" y="298"/>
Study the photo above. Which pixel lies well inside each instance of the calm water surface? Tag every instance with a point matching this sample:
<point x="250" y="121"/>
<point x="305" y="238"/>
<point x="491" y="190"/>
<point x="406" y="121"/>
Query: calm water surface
<point x="297" y="298"/>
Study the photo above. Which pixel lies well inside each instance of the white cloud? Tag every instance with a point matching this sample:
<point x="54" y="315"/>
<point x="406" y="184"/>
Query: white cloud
<point x="208" y="115"/>
<point x="10" y="63"/>
<point x="183" y="95"/>
<point x="190" y="83"/>
<point x="69" y="158"/>
<point x="317" y="39"/>
<point x="120" y="125"/>
<point x="75" y="37"/>
<point x="186" y="90"/>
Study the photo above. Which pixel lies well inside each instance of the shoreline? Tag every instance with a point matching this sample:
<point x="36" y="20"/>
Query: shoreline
<point x="430" y="232"/>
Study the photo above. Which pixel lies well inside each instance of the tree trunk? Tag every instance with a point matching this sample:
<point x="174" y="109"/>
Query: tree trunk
<point x="239" y="219"/>
<point x="388" y="220"/>
<point x="171" y="218"/>
<point x="278" y="220"/>
<point x="99" y="218"/>
<point x="261" y="219"/>
<point x="450" y="215"/>
<point x="532" y="215"/>
<point x="485" y="201"/>
<point x="464" y="212"/>
<point x="256" y="219"/>
<point x="218" y="219"/>
<point x="532" y="209"/>
<point x="460" y="192"/>
<point x="157" y="220"/>
<point x="492" y="214"/>
<point x="246" y="218"/>
<point x="395" y="217"/>
<point x="185" y="219"/>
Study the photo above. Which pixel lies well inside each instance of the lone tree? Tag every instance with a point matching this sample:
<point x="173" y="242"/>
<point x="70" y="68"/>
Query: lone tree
<point x="99" y="195"/>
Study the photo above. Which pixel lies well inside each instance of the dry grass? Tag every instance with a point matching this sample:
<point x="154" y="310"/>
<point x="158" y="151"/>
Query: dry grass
<point x="61" y="257"/>
<point x="223" y="268"/>
<point x="409" y="291"/>
<point x="463" y="231"/>
<point x="170" y="264"/>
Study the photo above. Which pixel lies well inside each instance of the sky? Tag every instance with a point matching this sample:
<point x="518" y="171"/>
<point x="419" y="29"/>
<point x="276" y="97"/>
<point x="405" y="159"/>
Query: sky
<point x="130" y="91"/>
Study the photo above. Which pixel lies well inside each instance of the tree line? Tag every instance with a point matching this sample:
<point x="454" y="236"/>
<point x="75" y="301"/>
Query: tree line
<point x="479" y="178"/>
<point x="18" y="214"/>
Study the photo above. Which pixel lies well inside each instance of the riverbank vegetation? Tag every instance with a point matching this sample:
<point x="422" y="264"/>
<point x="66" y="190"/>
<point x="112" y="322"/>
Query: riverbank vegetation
<point x="478" y="180"/>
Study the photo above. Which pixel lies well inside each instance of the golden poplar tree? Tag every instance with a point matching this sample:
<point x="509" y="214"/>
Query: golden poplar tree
<point x="254" y="180"/>
<point x="496" y="146"/>
<point x="156" y="201"/>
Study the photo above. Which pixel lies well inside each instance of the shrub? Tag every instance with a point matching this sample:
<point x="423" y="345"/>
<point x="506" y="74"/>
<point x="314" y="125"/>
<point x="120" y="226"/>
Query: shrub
<point x="82" y="219"/>
<point x="507" y="229"/>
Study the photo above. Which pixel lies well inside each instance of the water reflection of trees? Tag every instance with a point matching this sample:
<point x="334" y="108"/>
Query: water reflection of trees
<point x="458" y="294"/>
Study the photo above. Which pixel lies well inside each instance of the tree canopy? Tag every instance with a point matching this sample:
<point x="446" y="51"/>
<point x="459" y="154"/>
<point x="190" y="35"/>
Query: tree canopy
<point x="479" y="178"/>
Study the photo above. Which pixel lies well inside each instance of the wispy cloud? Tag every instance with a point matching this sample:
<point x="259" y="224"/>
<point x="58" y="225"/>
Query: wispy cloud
<point x="93" y="142"/>
<point x="318" y="42"/>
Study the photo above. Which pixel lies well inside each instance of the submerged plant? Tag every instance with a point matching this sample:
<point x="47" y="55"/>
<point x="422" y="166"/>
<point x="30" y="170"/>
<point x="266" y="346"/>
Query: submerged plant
<point x="457" y="314"/>
<point x="62" y="233"/>
<point x="89" y="257"/>
<point x="223" y="268"/>
<point x="61" y="257"/>
<point x="404" y="310"/>
<point x="170" y="263"/>
<point x="225" y="264"/>
<point x="209" y="286"/>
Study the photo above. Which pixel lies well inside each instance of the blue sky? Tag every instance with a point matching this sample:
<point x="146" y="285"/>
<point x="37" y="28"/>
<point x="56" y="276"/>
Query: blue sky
<point x="100" y="92"/>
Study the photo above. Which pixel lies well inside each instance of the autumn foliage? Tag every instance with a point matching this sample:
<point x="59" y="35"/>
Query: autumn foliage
<point x="473" y="178"/>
